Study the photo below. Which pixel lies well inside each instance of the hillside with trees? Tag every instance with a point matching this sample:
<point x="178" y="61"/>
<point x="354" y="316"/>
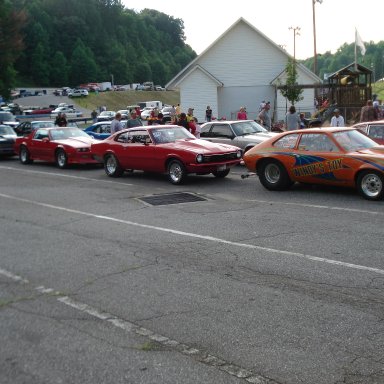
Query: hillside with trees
<point x="69" y="42"/>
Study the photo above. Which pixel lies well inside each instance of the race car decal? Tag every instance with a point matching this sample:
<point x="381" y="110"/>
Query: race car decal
<point x="379" y="166"/>
<point x="323" y="169"/>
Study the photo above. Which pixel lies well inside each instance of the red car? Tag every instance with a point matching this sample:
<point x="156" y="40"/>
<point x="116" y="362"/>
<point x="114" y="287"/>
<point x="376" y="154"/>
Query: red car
<point x="164" y="149"/>
<point x="373" y="129"/>
<point x="60" y="145"/>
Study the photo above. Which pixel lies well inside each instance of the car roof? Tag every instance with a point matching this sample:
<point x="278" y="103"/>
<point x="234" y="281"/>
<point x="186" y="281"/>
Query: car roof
<point x="230" y="121"/>
<point x="369" y="122"/>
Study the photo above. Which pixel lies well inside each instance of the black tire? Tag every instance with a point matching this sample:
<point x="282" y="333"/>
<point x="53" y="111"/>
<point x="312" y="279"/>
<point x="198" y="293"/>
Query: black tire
<point x="176" y="172"/>
<point x="112" y="166"/>
<point x="273" y="176"/>
<point x="24" y="155"/>
<point x="221" y="174"/>
<point x="61" y="159"/>
<point x="370" y="185"/>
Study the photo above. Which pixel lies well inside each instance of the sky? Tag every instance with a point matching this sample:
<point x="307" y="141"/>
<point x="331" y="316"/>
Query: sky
<point x="336" y="20"/>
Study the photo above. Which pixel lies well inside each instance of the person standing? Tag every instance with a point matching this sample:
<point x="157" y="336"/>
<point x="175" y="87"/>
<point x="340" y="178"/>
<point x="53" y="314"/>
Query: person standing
<point x="264" y="116"/>
<point x="190" y="115"/>
<point x="133" y="121"/>
<point x="368" y="112"/>
<point x="94" y="116"/>
<point x="242" y="114"/>
<point x="198" y="128"/>
<point x="116" y="125"/>
<point x="337" y="120"/>
<point x="208" y="114"/>
<point x="61" y="120"/>
<point x="292" y="119"/>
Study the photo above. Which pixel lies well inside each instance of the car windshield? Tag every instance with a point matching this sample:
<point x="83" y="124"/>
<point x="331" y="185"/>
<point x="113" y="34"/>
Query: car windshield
<point x="6" y="130"/>
<point x="247" y="128"/>
<point x="170" y="135"/>
<point x="66" y="133"/>
<point x="7" y="116"/>
<point x="353" y="140"/>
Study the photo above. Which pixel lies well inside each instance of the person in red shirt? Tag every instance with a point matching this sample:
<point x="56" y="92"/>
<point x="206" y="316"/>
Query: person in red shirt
<point x="242" y="114"/>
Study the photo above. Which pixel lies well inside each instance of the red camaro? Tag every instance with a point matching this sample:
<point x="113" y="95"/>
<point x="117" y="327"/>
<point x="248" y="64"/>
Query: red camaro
<point x="164" y="149"/>
<point x="61" y="145"/>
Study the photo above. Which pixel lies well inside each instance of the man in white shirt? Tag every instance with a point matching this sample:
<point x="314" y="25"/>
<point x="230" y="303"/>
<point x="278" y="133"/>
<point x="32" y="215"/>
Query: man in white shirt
<point x="337" y="120"/>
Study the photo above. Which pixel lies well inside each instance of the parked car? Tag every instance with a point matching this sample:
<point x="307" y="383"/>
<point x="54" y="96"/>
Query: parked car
<point x="333" y="156"/>
<point x="106" y="116"/>
<point x="164" y="149"/>
<point x="124" y="113"/>
<point x="69" y="112"/>
<point x="7" y="118"/>
<point x="7" y="140"/>
<point x="101" y="130"/>
<point x="61" y="145"/>
<point x="146" y="113"/>
<point x="26" y="127"/>
<point x="373" y="129"/>
<point x="78" y="93"/>
<point x="39" y="111"/>
<point x="243" y="133"/>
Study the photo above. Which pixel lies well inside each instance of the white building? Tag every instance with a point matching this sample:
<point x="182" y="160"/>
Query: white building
<point x="241" y="68"/>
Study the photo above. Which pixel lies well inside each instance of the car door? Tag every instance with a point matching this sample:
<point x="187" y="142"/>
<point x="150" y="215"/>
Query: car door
<point x="135" y="150"/>
<point x="220" y="133"/>
<point x="39" y="147"/>
<point x="320" y="161"/>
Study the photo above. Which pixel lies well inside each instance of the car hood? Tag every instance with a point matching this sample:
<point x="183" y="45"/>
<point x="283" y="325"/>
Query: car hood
<point x="77" y="142"/>
<point x="202" y="146"/>
<point x="10" y="136"/>
<point x="257" y="137"/>
<point x="374" y="151"/>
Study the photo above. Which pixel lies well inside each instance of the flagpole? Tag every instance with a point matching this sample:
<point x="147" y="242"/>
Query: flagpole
<point x="355" y="50"/>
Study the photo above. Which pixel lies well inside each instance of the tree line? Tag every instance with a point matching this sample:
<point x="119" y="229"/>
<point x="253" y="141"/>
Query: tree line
<point x="69" y="42"/>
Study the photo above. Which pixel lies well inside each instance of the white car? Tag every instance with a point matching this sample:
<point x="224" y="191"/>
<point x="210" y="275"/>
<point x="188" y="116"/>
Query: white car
<point x="69" y="112"/>
<point x="78" y="93"/>
<point x="146" y="113"/>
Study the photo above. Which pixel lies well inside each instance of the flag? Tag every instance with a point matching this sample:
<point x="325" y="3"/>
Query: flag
<point x="359" y="42"/>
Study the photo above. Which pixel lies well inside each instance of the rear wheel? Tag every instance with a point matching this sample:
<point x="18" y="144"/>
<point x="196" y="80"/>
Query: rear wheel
<point x="370" y="185"/>
<point x="274" y="176"/>
<point x="24" y="156"/>
<point x="176" y="172"/>
<point x="61" y="159"/>
<point x="112" y="166"/>
<point x="221" y="174"/>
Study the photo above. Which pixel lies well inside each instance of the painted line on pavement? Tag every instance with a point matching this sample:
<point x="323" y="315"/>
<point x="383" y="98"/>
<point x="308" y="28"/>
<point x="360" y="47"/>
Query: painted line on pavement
<point x="170" y="344"/>
<point x="203" y="237"/>
<point x="63" y="175"/>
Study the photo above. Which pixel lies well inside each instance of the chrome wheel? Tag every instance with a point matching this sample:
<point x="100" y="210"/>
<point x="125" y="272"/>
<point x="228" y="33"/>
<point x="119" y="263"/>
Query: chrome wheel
<point x="112" y="167"/>
<point x="61" y="159"/>
<point x="272" y="173"/>
<point x="371" y="185"/>
<point x="176" y="172"/>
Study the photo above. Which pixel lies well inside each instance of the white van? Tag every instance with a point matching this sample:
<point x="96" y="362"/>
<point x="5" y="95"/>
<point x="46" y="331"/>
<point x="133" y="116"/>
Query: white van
<point x="150" y="104"/>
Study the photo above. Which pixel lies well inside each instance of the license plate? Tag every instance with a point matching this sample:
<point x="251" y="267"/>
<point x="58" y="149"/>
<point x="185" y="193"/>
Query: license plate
<point x="222" y="167"/>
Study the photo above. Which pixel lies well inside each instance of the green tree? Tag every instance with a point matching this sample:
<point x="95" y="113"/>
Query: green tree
<point x="11" y="45"/>
<point x="83" y="67"/>
<point x="290" y="90"/>
<point x="59" y="70"/>
<point x="40" y="66"/>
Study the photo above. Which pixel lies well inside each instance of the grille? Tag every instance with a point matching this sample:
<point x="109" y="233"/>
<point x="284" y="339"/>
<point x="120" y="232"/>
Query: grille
<point x="172" y="198"/>
<point x="220" y="157"/>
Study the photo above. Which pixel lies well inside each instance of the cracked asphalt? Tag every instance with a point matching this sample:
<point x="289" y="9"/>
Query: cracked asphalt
<point x="248" y="286"/>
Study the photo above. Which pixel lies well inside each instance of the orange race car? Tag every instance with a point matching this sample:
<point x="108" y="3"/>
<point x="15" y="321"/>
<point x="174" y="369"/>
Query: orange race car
<point x="333" y="156"/>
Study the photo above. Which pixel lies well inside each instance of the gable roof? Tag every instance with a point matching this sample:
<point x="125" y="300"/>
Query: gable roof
<point x="188" y="70"/>
<point x="183" y="73"/>
<point x="351" y="69"/>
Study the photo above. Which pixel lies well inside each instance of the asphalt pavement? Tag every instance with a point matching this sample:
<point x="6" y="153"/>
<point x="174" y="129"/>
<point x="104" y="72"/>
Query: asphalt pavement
<point x="243" y="286"/>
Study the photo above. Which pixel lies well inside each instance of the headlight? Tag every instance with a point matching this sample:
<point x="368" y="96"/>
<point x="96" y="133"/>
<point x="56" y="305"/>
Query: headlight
<point x="82" y="149"/>
<point x="238" y="154"/>
<point x="199" y="158"/>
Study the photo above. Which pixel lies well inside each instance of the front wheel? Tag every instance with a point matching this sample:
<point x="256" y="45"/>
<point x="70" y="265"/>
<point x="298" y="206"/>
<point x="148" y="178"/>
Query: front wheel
<point x="274" y="176"/>
<point x="25" y="157"/>
<point x="112" y="166"/>
<point x="370" y="185"/>
<point x="176" y="172"/>
<point x="221" y="174"/>
<point x="61" y="159"/>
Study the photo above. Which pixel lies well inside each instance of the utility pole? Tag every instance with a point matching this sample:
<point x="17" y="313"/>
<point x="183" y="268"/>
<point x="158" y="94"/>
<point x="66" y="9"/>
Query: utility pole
<point x="295" y="32"/>
<point x="314" y="35"/>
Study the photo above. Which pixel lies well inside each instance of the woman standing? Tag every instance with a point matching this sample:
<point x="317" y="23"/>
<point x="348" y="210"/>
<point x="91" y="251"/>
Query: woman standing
<point x="292" y="119"/>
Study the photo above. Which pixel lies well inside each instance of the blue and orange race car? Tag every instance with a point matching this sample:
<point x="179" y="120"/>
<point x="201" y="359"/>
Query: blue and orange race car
<point x="334" y="156"/>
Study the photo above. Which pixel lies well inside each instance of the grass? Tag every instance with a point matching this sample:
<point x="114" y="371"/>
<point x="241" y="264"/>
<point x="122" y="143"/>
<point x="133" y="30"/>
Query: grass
<point x="121" y="99"/>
